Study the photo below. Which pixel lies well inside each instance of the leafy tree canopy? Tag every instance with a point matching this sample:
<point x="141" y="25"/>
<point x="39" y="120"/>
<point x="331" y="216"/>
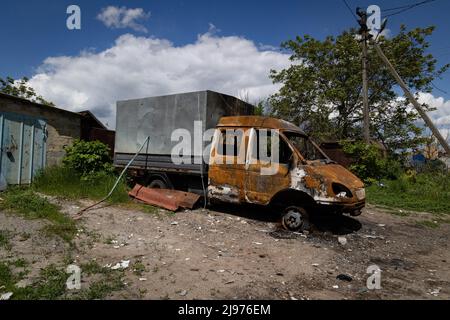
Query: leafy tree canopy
<point x="21" y="89"/>
<point x="322" y="89"/>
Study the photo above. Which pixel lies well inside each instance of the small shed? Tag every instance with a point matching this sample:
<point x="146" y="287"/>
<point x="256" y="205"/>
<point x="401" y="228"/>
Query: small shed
<point x="33" y="136"/>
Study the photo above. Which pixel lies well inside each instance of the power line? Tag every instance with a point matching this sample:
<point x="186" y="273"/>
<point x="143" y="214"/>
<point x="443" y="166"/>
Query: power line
<point x="350" y="9"/>
<point x="437" y="88"/>
<point x="406" y="8"/>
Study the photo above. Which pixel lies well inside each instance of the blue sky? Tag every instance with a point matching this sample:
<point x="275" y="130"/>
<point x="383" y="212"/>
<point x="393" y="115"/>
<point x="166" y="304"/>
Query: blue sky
<point x="36" y="30"/>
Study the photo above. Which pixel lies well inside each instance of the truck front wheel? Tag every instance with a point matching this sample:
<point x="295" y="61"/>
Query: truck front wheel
<point x="295" y="219"/>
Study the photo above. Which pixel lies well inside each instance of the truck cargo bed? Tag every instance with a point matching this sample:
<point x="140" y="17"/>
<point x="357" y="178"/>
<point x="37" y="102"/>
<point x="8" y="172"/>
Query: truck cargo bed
<point x="159" y="117"/>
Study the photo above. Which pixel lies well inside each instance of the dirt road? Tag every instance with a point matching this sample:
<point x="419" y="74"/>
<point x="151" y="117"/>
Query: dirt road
<point x="207" y="254"/>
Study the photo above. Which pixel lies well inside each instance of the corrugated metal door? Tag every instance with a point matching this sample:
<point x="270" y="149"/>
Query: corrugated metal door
<point x="22" y="146"/>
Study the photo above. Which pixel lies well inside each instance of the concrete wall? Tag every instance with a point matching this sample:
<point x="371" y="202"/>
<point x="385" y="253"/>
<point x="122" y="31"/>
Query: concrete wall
<point x="62" y="126"/>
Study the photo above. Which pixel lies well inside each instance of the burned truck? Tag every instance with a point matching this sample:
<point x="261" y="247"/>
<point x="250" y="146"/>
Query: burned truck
<point x="211" y="144"/>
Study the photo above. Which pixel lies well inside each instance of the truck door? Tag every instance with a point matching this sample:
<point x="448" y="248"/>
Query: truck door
<point x="227" y="165"/>
<point x="263" y="178"/>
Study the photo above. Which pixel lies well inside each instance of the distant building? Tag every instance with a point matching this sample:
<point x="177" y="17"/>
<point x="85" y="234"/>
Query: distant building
<point x="33" y="136"/>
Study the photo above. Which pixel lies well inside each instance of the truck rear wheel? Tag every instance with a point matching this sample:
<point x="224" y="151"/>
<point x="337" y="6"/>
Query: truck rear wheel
<point x="295" y="219"/>
<point x="157" y="184"/>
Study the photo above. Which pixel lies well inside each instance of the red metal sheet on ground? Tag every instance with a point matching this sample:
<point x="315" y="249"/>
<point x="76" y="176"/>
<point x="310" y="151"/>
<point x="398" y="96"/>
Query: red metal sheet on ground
<point x="168" y="199"/>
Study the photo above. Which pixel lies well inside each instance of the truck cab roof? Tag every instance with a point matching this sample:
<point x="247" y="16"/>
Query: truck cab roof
<point x="258" y="122"/>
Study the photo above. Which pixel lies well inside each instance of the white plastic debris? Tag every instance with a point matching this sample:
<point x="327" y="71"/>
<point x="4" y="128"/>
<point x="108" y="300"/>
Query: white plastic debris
<point x="174" y="223"/>
<point x="183" y="293"/>
<point x="121" y="265"/>
<point x="6" y="296"/>
<point x="342" y="241"/>
<point x="335" y="287"/>
<point x="435" y="292"/>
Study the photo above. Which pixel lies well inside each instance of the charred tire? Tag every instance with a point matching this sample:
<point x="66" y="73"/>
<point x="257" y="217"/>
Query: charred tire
<point x="158" y="184"/>
<point x="295" y="219"/>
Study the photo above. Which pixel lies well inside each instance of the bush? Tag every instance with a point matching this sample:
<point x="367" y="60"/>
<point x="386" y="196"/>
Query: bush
<point x="88" y="157"/>
<point x="369" y="164"/>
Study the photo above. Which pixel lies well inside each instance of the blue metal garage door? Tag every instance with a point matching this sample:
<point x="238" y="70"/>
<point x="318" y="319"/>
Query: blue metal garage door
<point x="22" y="148"/>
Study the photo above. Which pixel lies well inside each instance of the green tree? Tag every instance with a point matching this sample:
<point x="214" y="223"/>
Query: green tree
<point x="21" y="89"/>
<point x="322" y="88"/>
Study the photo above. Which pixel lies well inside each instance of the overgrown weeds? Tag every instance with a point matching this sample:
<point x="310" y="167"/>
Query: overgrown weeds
<point x="51" y="284"/>
<point x="421" y="192"/>
<point x="67" y="183"/>
<point x="4" y="239"/>
<point x="28" y="204"/>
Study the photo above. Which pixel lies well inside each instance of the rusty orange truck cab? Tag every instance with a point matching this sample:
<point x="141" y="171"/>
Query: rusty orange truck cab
<point x="303" y="177"/>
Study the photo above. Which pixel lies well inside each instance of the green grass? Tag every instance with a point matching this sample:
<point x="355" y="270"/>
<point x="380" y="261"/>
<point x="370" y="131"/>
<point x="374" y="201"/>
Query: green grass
<point x="51" y="283"/>
<point x="66" y="183"/>
<point x="139" y="268"/>
<point x="423" y="193"/>
<point x="4" y="239"/>
<point x="29" y="205"/>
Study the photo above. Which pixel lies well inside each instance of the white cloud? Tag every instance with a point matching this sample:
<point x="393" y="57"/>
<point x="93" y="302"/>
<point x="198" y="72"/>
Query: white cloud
<point x="441" y="116"/>
<point x="121" y="18"/>
<point x="136" y="67"/>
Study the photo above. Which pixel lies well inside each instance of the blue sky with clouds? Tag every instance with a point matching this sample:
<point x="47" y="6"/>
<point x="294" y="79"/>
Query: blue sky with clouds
<point x="34" y="31"/>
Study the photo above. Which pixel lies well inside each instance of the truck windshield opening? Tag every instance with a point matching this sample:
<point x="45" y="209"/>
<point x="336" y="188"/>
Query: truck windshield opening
<point x="307" y="148"/>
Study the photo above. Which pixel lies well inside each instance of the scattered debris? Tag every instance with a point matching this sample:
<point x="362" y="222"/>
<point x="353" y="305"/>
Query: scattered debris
<point x="142" y="279"/>
<point x="344" y="277"/>
<point x="342" y="240"/>
<point x="124" y="264"/>
<point x="175" y="223"/>
<point x="335" y="287"/>
<point x="370" y="236"/>
<point x="435" y="292"/>
<point x="6" y="296"/>
<point x="183" y="293"/>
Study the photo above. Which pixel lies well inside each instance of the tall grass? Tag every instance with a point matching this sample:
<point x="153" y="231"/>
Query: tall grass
<point x="66" y="183"/>
<point x="424" y="192"/>
<point x="29" y="205"/>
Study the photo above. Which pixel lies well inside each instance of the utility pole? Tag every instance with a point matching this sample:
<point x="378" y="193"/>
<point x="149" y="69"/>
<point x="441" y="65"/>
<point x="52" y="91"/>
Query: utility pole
<point x="364" y="32"/>
<point x="412" y="99"/>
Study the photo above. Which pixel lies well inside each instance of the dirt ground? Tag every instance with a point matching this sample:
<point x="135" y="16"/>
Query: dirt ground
<point x="218" y="254"/>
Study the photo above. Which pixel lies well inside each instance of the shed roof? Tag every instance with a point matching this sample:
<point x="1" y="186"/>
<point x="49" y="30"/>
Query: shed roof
<point x="40" y="105"/>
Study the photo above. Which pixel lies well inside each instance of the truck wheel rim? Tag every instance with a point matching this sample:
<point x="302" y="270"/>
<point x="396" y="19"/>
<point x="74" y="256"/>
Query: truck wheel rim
<point x="293" y="219"/>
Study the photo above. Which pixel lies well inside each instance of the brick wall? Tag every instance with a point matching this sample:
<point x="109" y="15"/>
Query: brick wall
<point x="62" y="126"/>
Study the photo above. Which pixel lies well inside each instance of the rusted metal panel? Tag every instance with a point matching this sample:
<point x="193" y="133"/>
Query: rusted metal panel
<point x="258" y="122"/>
<point x="168" y="199"/>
